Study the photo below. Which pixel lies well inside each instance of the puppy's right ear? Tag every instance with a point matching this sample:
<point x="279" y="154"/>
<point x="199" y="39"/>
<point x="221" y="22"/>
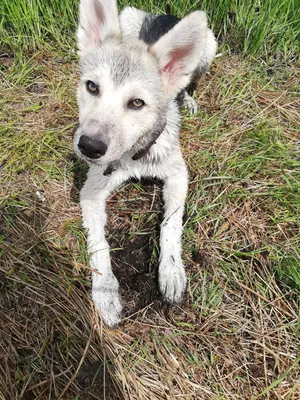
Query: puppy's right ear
<point x="180" y="50"/>
<point x="98" y="20"/>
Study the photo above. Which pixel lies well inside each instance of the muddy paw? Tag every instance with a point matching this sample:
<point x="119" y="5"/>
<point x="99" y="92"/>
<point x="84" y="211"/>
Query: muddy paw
<point x="109" y="303"/>
<point x="191" y="104"/>
<point x="172" y="280"/>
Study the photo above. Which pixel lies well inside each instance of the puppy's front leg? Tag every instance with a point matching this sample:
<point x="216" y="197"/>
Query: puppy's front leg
<point x="171" y="273"/>
<point x="105" y="287"/>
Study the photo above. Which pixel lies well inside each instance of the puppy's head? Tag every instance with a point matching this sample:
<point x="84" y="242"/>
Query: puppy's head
<point x="125" y="86"/>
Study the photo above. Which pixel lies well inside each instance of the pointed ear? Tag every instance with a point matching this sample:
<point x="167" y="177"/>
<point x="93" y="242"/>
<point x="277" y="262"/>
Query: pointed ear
<point x="98" y="19"/>
<point x="179" y="51"/>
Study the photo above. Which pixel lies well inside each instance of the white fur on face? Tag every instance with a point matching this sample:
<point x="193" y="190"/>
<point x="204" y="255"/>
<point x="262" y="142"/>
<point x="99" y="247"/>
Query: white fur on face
<point x="127" y="70"/>
<point x="122" y="74"/>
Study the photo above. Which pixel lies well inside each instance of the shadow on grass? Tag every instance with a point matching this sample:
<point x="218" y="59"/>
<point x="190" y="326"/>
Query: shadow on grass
<point x="46" y="313"/>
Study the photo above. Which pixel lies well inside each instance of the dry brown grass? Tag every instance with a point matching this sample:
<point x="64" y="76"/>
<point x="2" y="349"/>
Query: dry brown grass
<point x="236" y="336"/>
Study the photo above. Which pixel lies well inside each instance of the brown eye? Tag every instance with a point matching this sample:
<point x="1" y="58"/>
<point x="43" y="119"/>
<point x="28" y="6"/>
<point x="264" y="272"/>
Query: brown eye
<point x="92" y="87"/>
<point x="136" y="104"/>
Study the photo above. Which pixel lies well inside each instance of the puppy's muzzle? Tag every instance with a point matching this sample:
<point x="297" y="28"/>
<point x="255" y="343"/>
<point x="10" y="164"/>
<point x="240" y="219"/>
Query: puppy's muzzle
<point x="92" y="147"/>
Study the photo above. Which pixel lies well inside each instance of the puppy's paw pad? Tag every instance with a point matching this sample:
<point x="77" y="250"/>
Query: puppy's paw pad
<point x="172" y="280"/>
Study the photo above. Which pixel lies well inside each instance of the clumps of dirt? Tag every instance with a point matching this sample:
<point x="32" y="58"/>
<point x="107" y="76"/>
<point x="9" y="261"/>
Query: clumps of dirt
<point x="201" y="257"/>
<point x="138" y="279"/>
<point x="37" y="87"/>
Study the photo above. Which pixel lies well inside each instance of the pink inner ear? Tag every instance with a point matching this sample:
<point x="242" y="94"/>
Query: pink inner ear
<point x="175" y="65"/>
<point x="96" y="21"/>
<point x="99" y="12"/>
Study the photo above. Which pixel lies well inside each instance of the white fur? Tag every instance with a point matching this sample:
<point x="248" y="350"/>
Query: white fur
<point x="131" y="20"/>
<point x="107" y="117"/>
<point x="190" y="103"/>
<point x="209" y="52"/>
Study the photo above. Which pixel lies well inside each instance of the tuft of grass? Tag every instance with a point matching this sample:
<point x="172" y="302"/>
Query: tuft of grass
<point x="32" y="24"/>
<point x="264" y="28"/>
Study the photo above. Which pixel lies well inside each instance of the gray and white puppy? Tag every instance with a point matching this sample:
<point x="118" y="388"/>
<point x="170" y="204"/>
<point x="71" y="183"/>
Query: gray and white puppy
<point x="132" y="69"/>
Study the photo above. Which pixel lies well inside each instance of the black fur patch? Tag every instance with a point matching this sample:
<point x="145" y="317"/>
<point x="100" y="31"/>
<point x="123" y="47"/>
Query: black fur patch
<point x="109" y="170"/>
<point x="155" y="27"/>
<point x="180" y="98"/>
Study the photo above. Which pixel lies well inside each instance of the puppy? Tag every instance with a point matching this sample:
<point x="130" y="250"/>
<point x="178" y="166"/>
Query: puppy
<point x="134" y="69"/>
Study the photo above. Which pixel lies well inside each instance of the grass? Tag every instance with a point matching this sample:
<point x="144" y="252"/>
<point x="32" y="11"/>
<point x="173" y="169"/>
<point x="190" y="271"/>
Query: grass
<point x="265" y="28"/>
<point x="236" y="336"/>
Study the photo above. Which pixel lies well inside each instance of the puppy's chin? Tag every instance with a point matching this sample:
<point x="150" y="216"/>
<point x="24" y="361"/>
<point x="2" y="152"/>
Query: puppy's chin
<point x="93" y="162"/>
<point x="89" y="161"/>
<point x="102" y="162"/>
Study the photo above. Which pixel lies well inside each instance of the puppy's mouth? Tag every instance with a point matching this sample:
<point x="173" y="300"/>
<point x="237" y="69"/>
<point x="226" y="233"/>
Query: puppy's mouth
<point x="106" y="163"/>
<point x="136" y="152"/>
<point x="107" y="160"/>
<point x="111" y="166"/>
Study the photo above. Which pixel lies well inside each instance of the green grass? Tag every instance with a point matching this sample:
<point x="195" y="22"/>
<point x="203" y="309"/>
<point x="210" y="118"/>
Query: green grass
<point x="265" y="28"/>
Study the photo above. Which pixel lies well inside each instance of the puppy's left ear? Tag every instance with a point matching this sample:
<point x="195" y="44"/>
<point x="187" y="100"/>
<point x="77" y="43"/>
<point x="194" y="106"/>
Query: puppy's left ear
<point x="98" y="20"/>
<point x="179" y="51"/>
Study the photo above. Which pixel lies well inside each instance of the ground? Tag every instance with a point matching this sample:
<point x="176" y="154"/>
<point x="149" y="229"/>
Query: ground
<point x="236" y="335"/>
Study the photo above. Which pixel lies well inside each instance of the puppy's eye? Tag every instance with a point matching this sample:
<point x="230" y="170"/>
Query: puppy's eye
<point x="136" y="104"/>
<point x="92" y="87"/>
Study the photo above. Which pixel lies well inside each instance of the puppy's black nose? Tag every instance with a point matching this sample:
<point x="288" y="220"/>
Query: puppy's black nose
<point x="91" y="147"/>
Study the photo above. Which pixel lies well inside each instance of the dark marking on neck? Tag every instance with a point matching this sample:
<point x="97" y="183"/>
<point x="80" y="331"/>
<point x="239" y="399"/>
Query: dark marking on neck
<point x="141" y="153"/>
<point x="109" y="170"/>
<point x="146" y="147"/>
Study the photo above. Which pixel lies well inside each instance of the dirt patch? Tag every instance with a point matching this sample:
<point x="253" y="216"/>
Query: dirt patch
<point x="137" y="277"/>
<point x="6" y="61"/>
<point x="134" y="244"/>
